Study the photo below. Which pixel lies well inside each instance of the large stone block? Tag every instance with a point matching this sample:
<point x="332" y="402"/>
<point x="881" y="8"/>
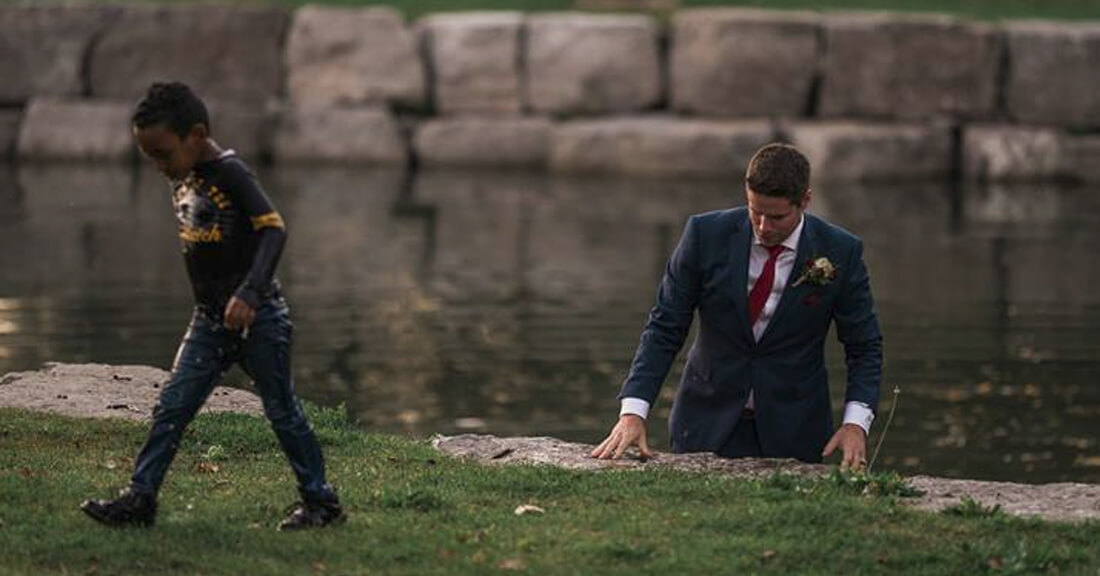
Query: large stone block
<point x="910" y="68"/>
<point x="75" y="130"/>
<point x="359" y="135"/>
<point x="484" y="142"/>
<point x="657" y="146"/>
<point x="1054" y="71"/>
<point x="246" y="129"/>
<point x="1012" y="153"/>
<point x="42" y="48"/>
<point x="1081" y="158"/>
<point x="352" y="56"/>
<point x="743" y="62"/>
<point x="225" y="52"/>
<point x="852" y="151"/>
<point x="10" y="120"/>
<point x="578" y="64"/>
<point x="475" y="59"/>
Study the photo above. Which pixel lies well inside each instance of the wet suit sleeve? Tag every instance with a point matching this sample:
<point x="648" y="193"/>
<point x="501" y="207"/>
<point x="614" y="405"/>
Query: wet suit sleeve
<point x="266" y="221"/>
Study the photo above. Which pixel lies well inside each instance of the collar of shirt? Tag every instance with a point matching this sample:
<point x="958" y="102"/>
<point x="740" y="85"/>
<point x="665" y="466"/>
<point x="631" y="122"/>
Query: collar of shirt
<point x="792" y="240"/>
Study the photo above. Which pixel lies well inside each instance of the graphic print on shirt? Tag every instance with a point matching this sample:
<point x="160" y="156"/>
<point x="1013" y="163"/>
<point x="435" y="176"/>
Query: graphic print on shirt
<point x="198" y="211"/>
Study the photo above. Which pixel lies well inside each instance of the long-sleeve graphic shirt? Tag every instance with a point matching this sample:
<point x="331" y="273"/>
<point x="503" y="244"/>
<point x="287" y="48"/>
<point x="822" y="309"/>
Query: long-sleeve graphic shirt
<point x="232" y="235"/>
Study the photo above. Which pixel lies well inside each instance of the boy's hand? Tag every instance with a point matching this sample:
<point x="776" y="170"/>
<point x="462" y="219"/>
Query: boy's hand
<point x="238" y="315"/>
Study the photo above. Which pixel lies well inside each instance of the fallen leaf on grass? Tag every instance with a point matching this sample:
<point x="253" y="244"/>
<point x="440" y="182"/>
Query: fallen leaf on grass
<point x="477" y="537"/>
<point x="511" y="564"/>
<point x="207" y="467"/>
<point x="768" y="555"/>
<point x="996" y="562"/>
<point x="528" y="509"/>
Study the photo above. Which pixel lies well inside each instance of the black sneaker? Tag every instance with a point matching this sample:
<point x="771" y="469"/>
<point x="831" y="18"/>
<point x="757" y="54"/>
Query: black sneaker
<point x="129" y="509"/>
<point x="309" y="514"/>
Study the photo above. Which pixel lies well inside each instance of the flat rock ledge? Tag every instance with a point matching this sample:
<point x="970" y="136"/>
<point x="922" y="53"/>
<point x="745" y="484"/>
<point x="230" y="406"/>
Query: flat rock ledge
<point x="130" y="392"/>
<point x="1063" y="502"/>
<point x="104" y="391"/>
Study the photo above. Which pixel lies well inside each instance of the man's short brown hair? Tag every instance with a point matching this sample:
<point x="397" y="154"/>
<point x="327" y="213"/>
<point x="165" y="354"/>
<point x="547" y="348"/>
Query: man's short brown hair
<point x="779" y="170"/>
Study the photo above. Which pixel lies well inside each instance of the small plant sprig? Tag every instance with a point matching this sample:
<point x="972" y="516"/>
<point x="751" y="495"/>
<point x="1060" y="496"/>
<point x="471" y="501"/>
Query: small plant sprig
<point x="885" y="428"/>
<point x="971" y="508"/>
<point x="883" y="484"/>
<point x="867" y="484"/>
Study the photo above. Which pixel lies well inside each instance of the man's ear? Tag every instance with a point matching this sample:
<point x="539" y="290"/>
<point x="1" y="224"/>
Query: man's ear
<point x="806" y="199"/>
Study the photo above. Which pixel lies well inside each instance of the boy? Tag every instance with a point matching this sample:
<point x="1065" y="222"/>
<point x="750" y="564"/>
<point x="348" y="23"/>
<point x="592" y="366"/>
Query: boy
<point x="232" y="238"/>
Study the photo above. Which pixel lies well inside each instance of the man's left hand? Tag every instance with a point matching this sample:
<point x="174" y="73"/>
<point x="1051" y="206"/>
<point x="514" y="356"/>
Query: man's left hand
<point x="852" y="441"/>
<point x="238" y="314"/>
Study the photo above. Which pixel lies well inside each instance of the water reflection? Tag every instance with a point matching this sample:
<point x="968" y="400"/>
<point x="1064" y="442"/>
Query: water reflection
<point x="511" y="303"/>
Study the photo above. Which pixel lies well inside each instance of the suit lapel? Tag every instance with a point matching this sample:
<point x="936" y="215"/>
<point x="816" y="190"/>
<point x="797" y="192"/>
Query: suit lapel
<point x="740" y="244"/>
<point x="806" y="251"/>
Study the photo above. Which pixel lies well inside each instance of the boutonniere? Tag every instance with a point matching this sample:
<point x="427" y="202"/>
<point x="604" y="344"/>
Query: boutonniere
<point x="819" y="272"/>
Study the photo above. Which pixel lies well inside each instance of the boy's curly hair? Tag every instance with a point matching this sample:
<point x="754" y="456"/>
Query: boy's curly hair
<point x="173" y="104"/>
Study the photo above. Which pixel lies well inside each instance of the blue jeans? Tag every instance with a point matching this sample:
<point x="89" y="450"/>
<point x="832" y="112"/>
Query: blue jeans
<point x="208" y="350"/>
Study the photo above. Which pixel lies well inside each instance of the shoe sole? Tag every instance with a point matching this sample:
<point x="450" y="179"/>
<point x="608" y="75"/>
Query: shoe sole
<point x="339" y="520"/>
<point x="95" y="515"/>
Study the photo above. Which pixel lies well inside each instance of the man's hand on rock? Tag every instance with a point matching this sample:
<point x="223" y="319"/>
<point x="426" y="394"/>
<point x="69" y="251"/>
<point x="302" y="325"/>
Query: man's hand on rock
<point x="852" y="441"/>
<point x="629" y="431"/>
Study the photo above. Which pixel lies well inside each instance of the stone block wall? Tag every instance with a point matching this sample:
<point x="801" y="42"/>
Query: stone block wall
<point x="474" y="61"/>
<point x="591" y="64"/>
<point x="47" y="132"/>
<point x="1054" y="73"/>
<point x="342" y="57"/>
<point x="743" y="62"/>
<point x="230" y="52"/>
<point x="42" y="49"/>
<point x="914" y="68"/>
<point x="869" y="96"/>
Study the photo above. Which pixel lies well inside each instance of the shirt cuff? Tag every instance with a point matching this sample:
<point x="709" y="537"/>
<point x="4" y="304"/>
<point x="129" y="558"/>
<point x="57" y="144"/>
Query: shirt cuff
<point x="635" y="406"/>
<point x="249" y="296"/>
<point x="859" y="414"/>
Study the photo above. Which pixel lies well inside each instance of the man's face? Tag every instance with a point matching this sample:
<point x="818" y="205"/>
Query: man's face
<point x="174" y="156"/>
<point x="774" y="218"/>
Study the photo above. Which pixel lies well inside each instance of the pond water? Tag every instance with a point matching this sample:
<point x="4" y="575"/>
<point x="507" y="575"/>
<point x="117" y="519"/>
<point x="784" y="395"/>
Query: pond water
<point x="511" y="303"/>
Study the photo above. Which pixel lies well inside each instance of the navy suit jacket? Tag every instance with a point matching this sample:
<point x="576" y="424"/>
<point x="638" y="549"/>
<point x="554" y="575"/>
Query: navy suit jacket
<point x="708" y="273"/>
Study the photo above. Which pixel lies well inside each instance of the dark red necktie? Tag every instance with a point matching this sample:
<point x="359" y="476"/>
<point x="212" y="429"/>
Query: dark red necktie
<point x="763" y="287"/>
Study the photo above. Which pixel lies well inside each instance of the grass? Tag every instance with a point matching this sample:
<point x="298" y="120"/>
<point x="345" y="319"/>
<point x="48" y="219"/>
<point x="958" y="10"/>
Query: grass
<point x="981" y="9"/>
<point x="414" y="511"/>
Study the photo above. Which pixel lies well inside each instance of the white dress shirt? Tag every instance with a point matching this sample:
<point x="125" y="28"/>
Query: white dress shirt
<point x="854" y="412"/>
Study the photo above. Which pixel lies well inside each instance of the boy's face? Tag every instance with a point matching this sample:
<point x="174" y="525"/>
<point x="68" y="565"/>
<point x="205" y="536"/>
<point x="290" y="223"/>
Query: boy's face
<point x="174" y="156"/>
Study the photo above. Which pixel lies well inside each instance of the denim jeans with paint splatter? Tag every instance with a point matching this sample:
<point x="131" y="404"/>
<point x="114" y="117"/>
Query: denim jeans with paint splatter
<point x="208" y="350"/>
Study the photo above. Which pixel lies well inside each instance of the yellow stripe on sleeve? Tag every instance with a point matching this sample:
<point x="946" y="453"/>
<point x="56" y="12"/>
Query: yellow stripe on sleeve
<point x="269" y="220"/>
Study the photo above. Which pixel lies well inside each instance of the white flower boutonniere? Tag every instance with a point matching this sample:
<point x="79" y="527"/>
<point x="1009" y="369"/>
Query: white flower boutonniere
<point x="819" y="272"/>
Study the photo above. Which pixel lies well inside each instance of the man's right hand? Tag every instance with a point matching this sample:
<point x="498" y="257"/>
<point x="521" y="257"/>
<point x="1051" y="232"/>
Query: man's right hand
<point x="629" y="431"/>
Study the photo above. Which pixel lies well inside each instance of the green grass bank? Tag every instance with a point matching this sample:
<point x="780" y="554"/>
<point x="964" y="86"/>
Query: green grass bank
<point x="414" y="511"/>
<point x="982" y="9"/>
